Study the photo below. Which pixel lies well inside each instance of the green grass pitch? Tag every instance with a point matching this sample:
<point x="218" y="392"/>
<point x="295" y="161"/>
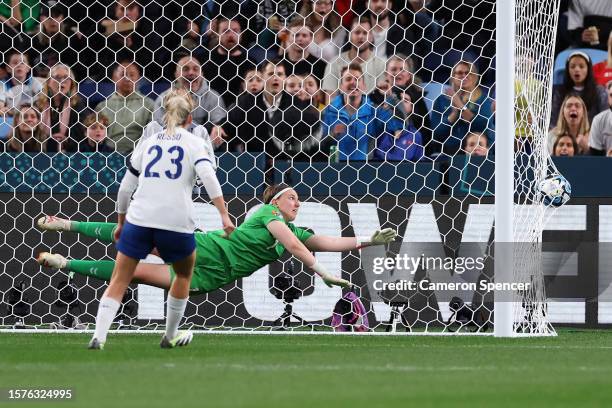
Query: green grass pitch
<point x="571" y="370"/>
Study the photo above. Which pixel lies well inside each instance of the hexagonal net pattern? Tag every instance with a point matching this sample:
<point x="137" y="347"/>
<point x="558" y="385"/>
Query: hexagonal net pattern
<point x="379" y="116"/>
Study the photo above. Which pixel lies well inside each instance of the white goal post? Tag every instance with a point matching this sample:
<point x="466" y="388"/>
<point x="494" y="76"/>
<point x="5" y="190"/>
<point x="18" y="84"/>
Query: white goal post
<point x="504" y="157"/>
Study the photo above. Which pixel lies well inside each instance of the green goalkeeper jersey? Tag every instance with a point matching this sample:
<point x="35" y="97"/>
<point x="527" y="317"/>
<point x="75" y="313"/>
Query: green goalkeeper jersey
<point x="222" y="260"/>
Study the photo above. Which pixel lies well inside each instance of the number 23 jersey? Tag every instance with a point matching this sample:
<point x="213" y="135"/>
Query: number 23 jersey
<point x="166" y="166"/>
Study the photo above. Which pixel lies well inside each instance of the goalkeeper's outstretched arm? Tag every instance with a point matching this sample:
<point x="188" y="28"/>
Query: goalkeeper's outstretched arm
<point x="285" y="236"/>
<point x="323" y="243"/>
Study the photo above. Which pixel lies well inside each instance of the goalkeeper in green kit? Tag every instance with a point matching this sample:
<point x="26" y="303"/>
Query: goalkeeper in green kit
<point x="260" y="240"/>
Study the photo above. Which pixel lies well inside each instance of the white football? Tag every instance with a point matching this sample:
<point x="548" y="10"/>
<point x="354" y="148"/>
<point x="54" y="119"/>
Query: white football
<point x="555" y="190"/>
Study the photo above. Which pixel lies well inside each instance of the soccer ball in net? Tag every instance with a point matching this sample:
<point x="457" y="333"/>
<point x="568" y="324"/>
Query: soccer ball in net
<point x="555" y="190"/>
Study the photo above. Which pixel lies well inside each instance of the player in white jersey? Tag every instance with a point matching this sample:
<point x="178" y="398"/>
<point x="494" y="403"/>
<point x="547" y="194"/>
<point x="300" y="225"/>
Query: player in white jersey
<point x="162" y="170"/>
<point x="199" y="130"/>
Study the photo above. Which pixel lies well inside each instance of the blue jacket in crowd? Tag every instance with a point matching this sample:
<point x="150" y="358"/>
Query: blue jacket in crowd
<point x="357" y="131"/>
<point x="449" y="137"/>
<point x="408" y="146"/>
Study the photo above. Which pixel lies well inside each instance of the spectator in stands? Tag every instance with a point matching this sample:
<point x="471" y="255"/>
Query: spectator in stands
<point x="6" y="121"/>
<point x="361" y="52"/>
<point x="21" y="88"/>
<point x="11" y="33"/>
<point x="209" y="107"/>
<point x="589" y="23"/>
<point x="465" y="108"/>
<point x="270" y="19"/>
<point x="272" y="122"/>
<point x="311" y="93"/>
<point x="128" y="110"/>
<point x="53" y="43"/>
<point x="209" y="11"/>
<point x="183" y="24"/>
<point x="578" y="79"/>
<point x="245" y="10"/>
<point x="466" y="28"/>
<point x="329" y="35"/>
<point x="563" y="38"/>
<point x="348" y="9"/>
<point x="404" y="144"/>
<point x="296" y="57"/>
<point x="423" y="36"/>
<point x="228" y="61"/>
<point x="20" y="14"/>
<point x="401" y="69"/>
<point x="526" y="90"/>
<point x="188" y="28"/>
<point x="565" y="146"/>
<point x="476" y="144"/>
<point x="572" y="120"/>
<point x="125" y="32"/>
<point x="28" y="134"/>
<point x="603" y="71"/>
<point x="383" y="90"/>
<point x="582" y="140"/>
<point x="352" y="121"/>
<point x="389" y="38"/>
<point x="600" y="138"/>
<point x="382" y="23"/>
<point x="293" y="83"/>
<point x="121" y="28"/>
<point x="400" y="78"/>
<point x="252" y="83"/>
<point x="96" y="140"/>
<point x="60" y="106"/>
<point x="4" y="74"/>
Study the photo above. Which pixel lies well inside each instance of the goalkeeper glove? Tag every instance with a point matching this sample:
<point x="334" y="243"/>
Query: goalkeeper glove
<point x="380" y="237"/>
<point x="329" y="279"/>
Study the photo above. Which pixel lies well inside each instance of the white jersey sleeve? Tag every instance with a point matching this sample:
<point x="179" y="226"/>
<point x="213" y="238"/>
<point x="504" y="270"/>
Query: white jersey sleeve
<point x="202" y="133"/>
<point x="136" y="160"/>
<point x="205" y="168"/>
<point x="209" y="180"/>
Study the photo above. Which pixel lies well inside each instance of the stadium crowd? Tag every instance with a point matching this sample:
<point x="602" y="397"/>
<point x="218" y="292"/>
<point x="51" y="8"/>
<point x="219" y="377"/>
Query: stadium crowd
<point x="301" y="80"/>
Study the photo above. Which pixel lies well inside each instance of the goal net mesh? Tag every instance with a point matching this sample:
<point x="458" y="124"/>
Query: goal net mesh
<point x="416" y="153"/>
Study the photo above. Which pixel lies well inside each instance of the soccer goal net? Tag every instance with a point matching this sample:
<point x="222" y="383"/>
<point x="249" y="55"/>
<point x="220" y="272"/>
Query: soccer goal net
<point x="379" y="116"/>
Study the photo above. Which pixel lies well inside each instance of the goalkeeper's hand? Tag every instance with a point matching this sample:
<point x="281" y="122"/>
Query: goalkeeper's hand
<point x="329" y="279"/>
<point x="383" y="237"/>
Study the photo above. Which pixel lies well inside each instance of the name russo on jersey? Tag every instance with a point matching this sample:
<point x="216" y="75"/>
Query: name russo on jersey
<point x="162" y="136"/>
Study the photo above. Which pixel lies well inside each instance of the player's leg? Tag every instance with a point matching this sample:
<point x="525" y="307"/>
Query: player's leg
<point x="102" y="231"/>
<point x="177" y="301"/>
<point x="179" y="289"/>
<point x="111" y="299"/>
<point x="98" y="269"/>
<point x="135" y="243"/>
<point x="157" y="275"/>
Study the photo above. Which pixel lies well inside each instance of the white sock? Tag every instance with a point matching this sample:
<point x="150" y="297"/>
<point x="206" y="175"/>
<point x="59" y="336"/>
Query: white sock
<point x="107" y="310"/>
<point x="174" y="314"/>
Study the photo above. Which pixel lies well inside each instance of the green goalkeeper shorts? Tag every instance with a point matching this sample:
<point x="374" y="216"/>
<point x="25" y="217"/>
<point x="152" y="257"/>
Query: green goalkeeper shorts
<point x="211" y="271"/>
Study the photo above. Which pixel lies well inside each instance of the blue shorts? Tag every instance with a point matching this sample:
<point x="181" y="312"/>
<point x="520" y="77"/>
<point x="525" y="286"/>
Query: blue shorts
<point x="137" y="242"/>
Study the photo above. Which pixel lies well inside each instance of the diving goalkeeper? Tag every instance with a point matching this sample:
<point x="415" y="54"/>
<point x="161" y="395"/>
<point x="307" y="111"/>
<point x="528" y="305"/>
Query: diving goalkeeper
<point x="260" y="240"/>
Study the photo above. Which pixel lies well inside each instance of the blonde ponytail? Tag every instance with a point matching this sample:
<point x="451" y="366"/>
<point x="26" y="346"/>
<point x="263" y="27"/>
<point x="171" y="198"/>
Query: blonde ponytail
<point x="178" y="105"/>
